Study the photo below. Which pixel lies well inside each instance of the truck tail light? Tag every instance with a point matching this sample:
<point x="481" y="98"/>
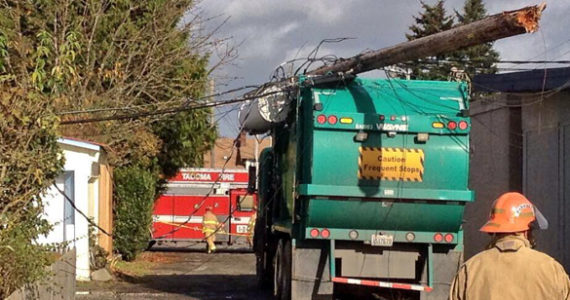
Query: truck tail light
<point x="438" y="237"/>
<point x="346" y="120"/>
<point x="449" y="237"/>
<point x="332" y="119"/>
<point x="325" y="233"/>
<point x="314" y="232"/>
<point x="463" y="125"/>
<point x="321" y="119"/>
<point x="437" y="125"/>
<point x="451" y="125"/>
<point x="410" y="236"/>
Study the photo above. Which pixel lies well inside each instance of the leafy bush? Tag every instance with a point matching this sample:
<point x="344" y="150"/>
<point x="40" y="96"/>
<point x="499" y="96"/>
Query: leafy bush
<point x="98" y="255"/>
<point x="22" y="261"/>
<point x="29" y="162"/>
<point x="135" y="191"/>
<point x="88" y="55"/>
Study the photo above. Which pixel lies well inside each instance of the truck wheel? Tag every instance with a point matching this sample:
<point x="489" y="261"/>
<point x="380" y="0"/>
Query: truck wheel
<point x="282" y="271"/>
<point x="263" y="272"/>
<point x="277" y="273"/>
<point x="260" y="274"/>
<point x="263" y="257"/>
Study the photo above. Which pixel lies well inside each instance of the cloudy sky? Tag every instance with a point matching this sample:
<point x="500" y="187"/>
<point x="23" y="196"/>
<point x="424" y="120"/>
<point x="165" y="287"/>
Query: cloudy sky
<point x="269" y="32"/>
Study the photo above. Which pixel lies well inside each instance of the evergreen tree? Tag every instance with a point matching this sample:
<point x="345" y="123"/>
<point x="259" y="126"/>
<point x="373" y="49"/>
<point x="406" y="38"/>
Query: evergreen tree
<point x="480" y="58"/>
<point x="432" y="20"/>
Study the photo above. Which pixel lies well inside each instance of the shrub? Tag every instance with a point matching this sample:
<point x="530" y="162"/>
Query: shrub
<point x="135" y="190"/>
<point x="28" y="165"/>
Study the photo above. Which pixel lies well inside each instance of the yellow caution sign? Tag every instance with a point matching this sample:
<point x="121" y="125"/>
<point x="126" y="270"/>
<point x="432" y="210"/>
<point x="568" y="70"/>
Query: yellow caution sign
<point x="395" y="164"/>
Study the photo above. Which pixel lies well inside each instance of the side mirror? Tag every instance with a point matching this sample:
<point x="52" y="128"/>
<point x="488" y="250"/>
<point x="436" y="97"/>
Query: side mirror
<point x="252" y="180"/>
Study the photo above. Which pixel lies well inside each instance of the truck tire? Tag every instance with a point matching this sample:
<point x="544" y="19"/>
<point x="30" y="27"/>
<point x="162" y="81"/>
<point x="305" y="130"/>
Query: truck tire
<point x="264" y="253"/>
<point x="282" y="271"/>
<point x="262" y="276"/>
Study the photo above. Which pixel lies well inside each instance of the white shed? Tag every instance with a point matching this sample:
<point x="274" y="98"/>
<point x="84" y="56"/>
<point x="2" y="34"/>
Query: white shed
<point x="86" y="182"/>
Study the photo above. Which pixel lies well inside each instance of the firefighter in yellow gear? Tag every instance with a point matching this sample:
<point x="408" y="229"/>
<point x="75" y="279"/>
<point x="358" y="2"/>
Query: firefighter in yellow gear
<point x="510" y="269"/>
<point x="251" y="226"/>
<point x="210" y="225"/>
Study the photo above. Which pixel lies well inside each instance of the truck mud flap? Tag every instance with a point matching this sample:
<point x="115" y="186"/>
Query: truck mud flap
<point x="311" y="272"/>
<point x="445" y="265"/>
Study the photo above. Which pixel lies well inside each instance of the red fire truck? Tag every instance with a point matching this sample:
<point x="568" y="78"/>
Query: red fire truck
<point x="179" y="211"/>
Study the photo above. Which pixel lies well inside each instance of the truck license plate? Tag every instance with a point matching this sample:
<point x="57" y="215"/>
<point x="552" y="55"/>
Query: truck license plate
<point x="383" y="240"/>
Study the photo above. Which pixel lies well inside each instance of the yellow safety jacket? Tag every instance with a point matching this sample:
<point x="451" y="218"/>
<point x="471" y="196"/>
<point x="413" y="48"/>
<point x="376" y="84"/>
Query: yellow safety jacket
<point x="209" y="223"/>
<point x="251" y="224"/>
<point x="511" y="270"/>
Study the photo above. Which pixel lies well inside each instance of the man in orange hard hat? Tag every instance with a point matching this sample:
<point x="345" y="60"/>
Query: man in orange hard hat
<point x="510" y="268"/>
<point x="209" y="227"/>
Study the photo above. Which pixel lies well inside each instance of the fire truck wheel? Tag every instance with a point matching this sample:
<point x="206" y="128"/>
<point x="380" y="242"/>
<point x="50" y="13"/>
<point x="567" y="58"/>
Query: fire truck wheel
<point x="150" y="244"/>
<point x="282" y="271"/>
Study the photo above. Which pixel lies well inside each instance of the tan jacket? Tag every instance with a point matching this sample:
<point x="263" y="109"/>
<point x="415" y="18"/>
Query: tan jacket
<point x="210" y="222"/>
<point x="511" y="270"/>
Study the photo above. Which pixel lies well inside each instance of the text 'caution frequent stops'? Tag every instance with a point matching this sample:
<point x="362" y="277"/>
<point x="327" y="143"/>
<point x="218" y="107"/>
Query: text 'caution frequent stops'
<point x="396" y="164"/>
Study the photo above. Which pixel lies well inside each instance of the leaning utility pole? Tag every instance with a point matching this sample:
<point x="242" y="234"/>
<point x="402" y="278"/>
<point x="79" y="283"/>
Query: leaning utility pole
<point x="492" y="28"/>
<point x="271" y="106"/>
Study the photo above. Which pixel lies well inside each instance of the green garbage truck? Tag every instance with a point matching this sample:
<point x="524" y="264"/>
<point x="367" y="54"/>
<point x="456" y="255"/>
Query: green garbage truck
<point x="367" y="180"/>
<point x="365" y="184"/>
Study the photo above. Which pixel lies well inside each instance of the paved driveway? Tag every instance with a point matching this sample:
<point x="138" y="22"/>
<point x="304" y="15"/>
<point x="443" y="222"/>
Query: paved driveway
<point x="185" y="275"/>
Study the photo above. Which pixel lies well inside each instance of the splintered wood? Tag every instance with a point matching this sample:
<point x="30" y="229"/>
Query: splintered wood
<point x="529" y="17"/>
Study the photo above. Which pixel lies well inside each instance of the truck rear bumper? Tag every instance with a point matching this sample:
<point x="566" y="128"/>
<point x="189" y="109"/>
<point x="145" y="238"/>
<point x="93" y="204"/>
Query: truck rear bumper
<point x="383" y="284"/>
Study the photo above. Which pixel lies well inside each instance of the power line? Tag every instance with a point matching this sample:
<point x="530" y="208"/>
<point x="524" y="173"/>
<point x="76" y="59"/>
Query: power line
<point x="133" y="107"/>
<point x="547" y="50"/>
<point x="164" y="111"/>
<point x="80" y="212"/>
<point x="517" y="62"/>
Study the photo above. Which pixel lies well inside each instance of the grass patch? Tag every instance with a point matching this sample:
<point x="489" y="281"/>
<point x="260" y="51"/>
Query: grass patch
<point x="135" y="268"/>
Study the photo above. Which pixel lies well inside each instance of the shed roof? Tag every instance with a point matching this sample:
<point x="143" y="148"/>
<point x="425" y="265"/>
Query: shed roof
<point x="81" y="143"/>
<point x="526" y="81"/>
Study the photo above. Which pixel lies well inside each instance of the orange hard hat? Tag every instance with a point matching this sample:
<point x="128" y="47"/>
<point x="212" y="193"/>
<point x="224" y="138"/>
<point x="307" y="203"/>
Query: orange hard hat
<point x="513" y="212"/>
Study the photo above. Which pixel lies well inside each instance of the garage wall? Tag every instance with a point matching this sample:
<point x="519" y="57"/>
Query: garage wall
<point x="546" y="129"/>
<point x="495" y="166"/>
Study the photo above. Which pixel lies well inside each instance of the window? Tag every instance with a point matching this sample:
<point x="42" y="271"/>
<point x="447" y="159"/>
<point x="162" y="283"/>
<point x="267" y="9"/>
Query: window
<point x="245" y="203"/>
